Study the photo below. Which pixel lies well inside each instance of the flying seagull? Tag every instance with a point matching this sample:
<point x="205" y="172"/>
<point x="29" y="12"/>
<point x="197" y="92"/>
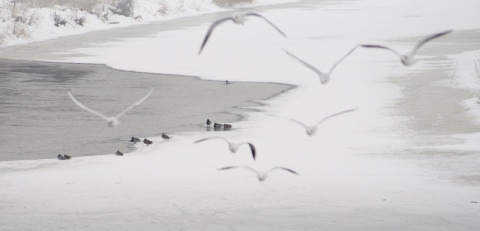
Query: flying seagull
<point x="237" y="19"/>
<point x="312" y="129"/>
<point x="112" y="121"/>
<point x="408" y="59"/>
<point x="233" y="146"/>
<point x="324" y="77"/>
<point x="262" y="176"/>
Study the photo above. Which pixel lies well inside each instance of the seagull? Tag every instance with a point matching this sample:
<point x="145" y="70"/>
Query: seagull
<point x="408" y="59"/>
<point x="165" y="137"/>
<point x="233" y="146"/>
<point x="262" y="176"/>
<point x="324" y="77"/>
<point x="112" y="121"/>
<point x="237" y="19"/>
<point x="311" y="130"/>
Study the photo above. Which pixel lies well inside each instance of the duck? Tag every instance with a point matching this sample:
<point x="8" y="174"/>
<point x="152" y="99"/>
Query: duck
<point x="165" y="136"/>
<point x="135" y="139"/>
<point x="147" y="142"/>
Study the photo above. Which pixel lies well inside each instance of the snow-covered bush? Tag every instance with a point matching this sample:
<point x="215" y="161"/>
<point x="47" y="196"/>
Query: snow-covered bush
<point x="123" y="7"/>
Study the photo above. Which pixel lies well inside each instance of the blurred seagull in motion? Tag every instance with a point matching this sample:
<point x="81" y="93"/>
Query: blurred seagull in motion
<point x="324" y="77"/>
<point x="237" y="19"/>
<point x="311" y="130"/>
<point x="408" y="59"/>
<point x="112" y="121"/>
<point x="233" y="146"/>
<point x="262" y="176"/>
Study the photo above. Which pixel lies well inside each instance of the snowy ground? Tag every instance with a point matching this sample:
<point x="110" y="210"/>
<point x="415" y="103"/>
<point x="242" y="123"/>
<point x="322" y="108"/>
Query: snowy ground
<point x="358" y="172"/>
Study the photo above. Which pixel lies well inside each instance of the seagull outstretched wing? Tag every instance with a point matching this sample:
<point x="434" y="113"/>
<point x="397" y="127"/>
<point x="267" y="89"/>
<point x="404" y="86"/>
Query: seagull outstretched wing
<point x="135" y="104"/>
<point x="210" y="30"/>
<point x="86" y="108"/>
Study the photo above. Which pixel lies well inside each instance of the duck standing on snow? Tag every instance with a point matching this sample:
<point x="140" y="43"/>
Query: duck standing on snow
<point x="165" y="136"/>
<point x="147" y="142"/>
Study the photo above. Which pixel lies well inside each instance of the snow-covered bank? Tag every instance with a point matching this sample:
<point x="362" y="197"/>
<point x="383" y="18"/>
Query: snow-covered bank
<point x="24" y="22"/>
<point x="352" y="173"/>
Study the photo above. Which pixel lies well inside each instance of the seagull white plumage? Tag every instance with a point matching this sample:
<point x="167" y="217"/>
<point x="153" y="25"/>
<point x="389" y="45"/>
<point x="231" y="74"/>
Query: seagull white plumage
<point x="233" y="146"/>
<point x="324" y="77"/>
<point x="112" y="121"/>
<point x="312" y="129"/>
<point x="260" y="174"/>
<point x="409" y="59"/>
<point x="237" y="19"/>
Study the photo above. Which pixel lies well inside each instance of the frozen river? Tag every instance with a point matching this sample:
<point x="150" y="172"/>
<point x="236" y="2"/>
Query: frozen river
<point x="38" y="119"/>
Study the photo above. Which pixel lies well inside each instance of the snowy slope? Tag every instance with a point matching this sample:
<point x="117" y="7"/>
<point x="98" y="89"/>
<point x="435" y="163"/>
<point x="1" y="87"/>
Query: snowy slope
<point x="351" y="173"/>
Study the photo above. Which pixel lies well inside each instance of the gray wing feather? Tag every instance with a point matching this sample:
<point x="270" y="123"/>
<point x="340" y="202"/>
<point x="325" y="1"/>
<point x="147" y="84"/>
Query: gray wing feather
<point x="135" y="104"/>
<point x="427" y="39"/>
<point x="86" y="108"/>
<point x="268" y="21"/>
<point x="286" y="169"/>
<point x="311" y="67"/>
<point x="210" y="138"/>
<point x="381" y="47"/>
<point x="210" y="30"/>
<point x="336" y="114"/>
<point x="345" y="56"/>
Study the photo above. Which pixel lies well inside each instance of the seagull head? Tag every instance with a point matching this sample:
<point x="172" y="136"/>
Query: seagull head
<point x="113" y="122"/>
<point x="262" y="176"/>
<point x="233" y="148"/>
<point x="324" y="78"/>
<point x="311" y="130"/>
<point x="238" y="19"/>
<point x="408" y="60"/>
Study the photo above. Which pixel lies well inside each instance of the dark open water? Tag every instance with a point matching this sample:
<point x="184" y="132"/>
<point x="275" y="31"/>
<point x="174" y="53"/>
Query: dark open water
<point x="38" y="119"/>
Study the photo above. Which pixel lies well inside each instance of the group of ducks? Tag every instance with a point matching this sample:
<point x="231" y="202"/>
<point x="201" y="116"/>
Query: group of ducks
<point x="218" y="126"/>
<point x="406" y="59"/>
<point x="64" y="157"/>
